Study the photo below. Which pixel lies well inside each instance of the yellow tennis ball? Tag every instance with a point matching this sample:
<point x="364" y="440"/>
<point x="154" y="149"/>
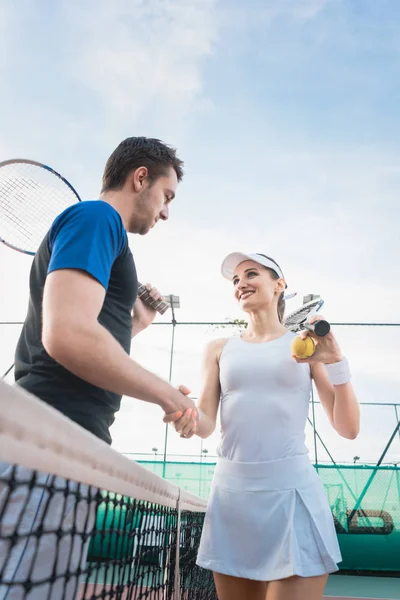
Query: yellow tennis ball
<point x="303" y="348"/>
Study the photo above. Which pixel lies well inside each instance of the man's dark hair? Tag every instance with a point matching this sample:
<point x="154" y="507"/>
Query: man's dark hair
<point x="135" y="152"/>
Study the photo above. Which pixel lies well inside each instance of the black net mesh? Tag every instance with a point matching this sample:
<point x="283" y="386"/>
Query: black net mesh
<point x="60" y="539"/>
<point x="195" y="582"/>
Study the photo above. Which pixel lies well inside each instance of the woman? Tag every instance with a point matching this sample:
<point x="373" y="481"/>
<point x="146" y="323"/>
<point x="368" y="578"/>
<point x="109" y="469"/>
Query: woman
<point x="268" y="532"/>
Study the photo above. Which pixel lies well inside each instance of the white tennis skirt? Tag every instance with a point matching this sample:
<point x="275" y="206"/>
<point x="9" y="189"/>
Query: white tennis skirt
<point x="268" y="521"/>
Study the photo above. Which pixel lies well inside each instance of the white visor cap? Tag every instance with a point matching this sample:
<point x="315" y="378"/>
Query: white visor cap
<point x="236" y="258"/>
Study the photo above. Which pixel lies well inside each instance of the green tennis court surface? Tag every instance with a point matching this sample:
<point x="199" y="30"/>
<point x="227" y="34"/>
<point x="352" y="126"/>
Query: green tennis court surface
<point x="356" y="587"/>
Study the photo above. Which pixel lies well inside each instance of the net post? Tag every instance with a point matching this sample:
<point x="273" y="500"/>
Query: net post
<point x="8" y="371"/>
<point x="177" y="587"/>
<point x="174" y="302"/>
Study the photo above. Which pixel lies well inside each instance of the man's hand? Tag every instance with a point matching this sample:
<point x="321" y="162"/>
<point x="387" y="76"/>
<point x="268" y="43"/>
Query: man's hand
<point x="185" y="422"/>
<point x="144" y="315"/>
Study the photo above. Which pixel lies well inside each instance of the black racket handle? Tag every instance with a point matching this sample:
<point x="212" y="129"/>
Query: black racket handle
<point x="320" y="328"/>
<point x="159" y="305"/>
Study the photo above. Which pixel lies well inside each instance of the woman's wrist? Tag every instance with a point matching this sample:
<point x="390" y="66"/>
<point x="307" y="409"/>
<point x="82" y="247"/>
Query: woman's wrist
<point x="338" y="372"/>
<point x="335" y="359"/>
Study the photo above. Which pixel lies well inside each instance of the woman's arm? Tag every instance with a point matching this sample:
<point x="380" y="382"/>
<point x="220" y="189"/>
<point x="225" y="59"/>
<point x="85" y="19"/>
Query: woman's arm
<point x="339" y="402"/>
<point x="331" y="374"/>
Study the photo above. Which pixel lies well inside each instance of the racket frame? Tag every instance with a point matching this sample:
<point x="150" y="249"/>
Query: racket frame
<point x="320" y="328"/>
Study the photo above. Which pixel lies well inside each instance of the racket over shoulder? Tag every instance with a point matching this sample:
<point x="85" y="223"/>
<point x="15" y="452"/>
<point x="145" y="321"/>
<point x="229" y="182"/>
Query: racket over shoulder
<point x="297" y="320"/>
<point x="32" y="195"/>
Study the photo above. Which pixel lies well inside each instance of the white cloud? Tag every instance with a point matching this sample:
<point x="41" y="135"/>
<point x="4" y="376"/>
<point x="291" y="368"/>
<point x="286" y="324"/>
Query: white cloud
<point x="270" y="12"/>
<point x="6" y="26"/>
<point x="141" y="59"/>
<point x="300" y="9"/>
<point x="103" y="72"/>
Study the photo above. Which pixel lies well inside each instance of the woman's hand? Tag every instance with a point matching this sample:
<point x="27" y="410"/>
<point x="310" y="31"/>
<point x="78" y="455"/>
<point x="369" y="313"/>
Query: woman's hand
<point x="327" y="349"/>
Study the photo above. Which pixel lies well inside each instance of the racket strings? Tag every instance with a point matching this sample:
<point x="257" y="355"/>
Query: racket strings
<point x="14" y="218"/>
<point x="9" y="193"/>
<point x="297" y="316"/>
<point x="30" y="198"/>
<point x="295" y="319"/>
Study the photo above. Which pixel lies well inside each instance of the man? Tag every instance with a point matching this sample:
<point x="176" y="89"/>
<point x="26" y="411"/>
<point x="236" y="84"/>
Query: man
<point x="73" y="352"/>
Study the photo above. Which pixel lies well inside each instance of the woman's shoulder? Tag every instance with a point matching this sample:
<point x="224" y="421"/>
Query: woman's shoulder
<point x="215" y="347"/>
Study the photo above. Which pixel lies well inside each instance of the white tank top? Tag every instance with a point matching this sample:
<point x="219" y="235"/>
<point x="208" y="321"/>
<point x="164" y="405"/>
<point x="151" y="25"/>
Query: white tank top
<point x="265" y="395"/>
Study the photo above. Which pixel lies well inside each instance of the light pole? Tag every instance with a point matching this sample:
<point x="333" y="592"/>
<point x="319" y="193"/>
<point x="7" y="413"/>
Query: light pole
<point x="355" y="459"/>
<point x="174" y="302"/>
<point x="204" y="453"/>
<point x="396" y="464"/>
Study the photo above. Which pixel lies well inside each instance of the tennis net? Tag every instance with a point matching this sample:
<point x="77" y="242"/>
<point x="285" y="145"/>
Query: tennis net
<point x="79" y="521"/>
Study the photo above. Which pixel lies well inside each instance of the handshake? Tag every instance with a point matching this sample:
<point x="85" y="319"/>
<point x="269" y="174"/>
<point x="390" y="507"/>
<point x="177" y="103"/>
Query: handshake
<point x="184" y="416"/>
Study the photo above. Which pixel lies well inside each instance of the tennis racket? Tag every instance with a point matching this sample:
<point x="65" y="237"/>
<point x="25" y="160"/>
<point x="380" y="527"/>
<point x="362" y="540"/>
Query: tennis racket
<point x="32" y="195"/>
<point x="298" y="319"/>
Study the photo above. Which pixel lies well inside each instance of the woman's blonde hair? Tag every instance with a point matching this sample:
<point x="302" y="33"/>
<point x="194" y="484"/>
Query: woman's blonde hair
<point x="281" y="301"/>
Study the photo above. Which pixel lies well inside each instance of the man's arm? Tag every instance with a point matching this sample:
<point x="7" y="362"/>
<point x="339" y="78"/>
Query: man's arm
<point x="72" y="336"/>
<point x="143" y="315"/>
<point x="209" y="398"/>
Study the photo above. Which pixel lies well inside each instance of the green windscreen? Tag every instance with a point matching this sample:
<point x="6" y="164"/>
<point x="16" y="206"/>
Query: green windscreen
<point x="365" y="503"/>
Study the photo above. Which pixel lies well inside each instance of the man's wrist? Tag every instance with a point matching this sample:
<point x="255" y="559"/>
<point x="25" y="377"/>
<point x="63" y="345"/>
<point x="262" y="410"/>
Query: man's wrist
<point x="169" y="403"/>
<point x="137" y="327"/>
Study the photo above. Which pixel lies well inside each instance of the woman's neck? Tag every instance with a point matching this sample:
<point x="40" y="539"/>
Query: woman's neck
<point x="263" y="326"/>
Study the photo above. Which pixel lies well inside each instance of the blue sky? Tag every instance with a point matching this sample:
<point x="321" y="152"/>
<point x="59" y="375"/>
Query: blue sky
<point x="286" y="115"/>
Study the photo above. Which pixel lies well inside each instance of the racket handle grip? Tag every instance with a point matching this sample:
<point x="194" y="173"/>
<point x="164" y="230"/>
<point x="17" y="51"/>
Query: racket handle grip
<point x="320" y="328"/>
<point x="159" y="305"/>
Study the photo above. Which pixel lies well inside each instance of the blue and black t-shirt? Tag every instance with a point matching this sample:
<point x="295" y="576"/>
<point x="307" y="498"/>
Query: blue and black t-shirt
<point x="88" y="236"/>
